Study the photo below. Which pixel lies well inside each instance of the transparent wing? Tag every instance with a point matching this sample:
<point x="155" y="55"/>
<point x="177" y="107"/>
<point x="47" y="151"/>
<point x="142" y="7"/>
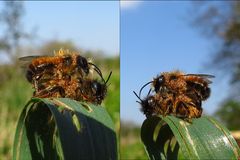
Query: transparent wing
<point x="201" y="75"/>
<point x="204" y="76"/>
<point x="30" y="58"/>
<point x="26" y="60"/>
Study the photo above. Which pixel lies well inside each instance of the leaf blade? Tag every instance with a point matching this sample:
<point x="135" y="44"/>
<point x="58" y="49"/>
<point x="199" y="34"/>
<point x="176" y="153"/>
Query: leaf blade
<point x="204" y="138"/>
<point x="73" y="132"/>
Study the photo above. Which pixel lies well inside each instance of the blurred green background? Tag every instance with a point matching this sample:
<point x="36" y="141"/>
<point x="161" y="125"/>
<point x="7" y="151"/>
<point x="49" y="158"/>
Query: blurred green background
<point x="92" y="28"/>
<point x="17" y="39"/>
<point x="16" y="91"/>
<point x="191" y="36"/>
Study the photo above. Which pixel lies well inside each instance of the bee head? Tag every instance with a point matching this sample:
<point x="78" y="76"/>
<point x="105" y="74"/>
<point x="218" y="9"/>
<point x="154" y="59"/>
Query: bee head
<point x="82" y="63"/>
<point x="146" y="104"/>
<point x="67" y="60"/>
<point x="98" y="90"/>
<point x="139" y="94"/>
<point x="96" y="87"/>
<point x="158" y="82"/>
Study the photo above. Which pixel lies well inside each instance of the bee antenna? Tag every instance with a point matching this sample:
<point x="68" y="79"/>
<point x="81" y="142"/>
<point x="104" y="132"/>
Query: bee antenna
<point x="108" y="84"/>
<point x="99" y="73"/>
<point x="97" y="70"/>
<point x="144" y="87"/>
<point x="149" y="91"/>
<point x="137" y="97"/>
<point x="108" y="77"/>
<point x="138" y="102"/>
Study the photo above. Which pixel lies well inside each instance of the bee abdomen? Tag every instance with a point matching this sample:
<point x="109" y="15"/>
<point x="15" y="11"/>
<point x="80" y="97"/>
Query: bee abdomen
<point x="206" y="93"/>
<point x="147" y="106"/>
<point x="201" y="90"/>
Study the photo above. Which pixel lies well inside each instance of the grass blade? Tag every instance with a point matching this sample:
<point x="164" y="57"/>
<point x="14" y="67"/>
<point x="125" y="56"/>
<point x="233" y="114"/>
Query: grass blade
<point x="172" y="138"/>
<point x="64" y="129"/>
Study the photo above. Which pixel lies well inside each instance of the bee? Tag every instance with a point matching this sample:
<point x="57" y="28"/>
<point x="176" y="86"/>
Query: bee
<point x="179" y="83"/>
<point x="50" y="91"/>
<point x="92" y="90"/>
<point x="167" y="104"/>
<point x="62" y="65"/>
<point x="155" y="104"/>
<point x="176" y="93"/>
<point x="66" y="75"/>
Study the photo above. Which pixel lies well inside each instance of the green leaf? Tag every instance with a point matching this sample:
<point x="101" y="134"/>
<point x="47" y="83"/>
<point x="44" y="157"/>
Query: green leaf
<point x="62" y="128"/>
<point x="173" y="138"/>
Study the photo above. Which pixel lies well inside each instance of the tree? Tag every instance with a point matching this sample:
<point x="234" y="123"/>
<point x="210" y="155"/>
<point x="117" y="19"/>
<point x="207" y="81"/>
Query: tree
<point x="229" y="114"/>
<point x="11" y="17"/>
<point x="220" y="20"/>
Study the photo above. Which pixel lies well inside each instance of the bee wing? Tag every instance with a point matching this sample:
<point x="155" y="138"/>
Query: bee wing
<point x="204" y="76"/>
<point x="26" y="60"/>
<point x="201" y="75"/>
<point x="29" y="58"/>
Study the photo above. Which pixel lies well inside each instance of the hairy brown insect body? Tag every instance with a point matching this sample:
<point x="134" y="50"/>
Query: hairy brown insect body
<point x="176" y="93"/>
<point x="62" y="64"/>
<point x="66" y="75"/>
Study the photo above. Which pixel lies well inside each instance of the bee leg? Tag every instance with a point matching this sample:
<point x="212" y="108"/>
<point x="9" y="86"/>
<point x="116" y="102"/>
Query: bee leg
<point x="49" y="92"/>
<point x="42" y="94"/>
<point x="188" y="119"/>
<point x="165" y="113"/>
<point x="35" y="84"/>
<point x="190" y="112"/>
<point x="79" y="94"/>
<point x="181" y="110"/>
<point x="175" y="108"/>
<point x="187" y="112"/>
<point x="82" y="94"/>
<point x="168" y="106"/>
<point x="61" y="91"/>
<point x="58" y="89"/>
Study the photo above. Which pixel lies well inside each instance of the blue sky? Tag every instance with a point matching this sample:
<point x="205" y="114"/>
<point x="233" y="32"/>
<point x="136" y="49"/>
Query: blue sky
<point x="156" y="36"/>
<point x="91" y="25"/>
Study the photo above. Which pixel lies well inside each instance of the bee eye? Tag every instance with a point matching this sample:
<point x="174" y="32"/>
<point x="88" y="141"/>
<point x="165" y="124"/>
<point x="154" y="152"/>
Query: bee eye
<point x="96" y="87"/>
<point x="150" y="101"/>
<point x="68" y="61"/>
<point x="160" y="79"/>
<point x="159" y="83"/>
<point x="82" y="64"/>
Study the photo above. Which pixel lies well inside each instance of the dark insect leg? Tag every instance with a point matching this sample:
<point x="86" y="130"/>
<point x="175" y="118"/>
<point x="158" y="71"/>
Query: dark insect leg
<point x="169" y="106"/>
<point x="48" y="92"/>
